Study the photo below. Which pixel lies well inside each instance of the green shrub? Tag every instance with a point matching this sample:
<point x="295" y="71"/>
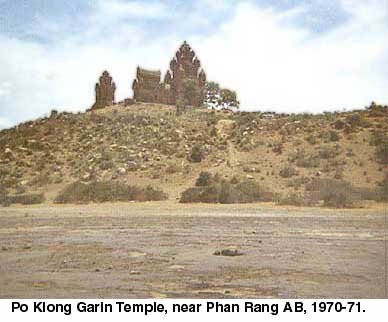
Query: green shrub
<point x="196" y="154"/>
<point x="329" y="116"/>
<point x="213" y="190"/>
<point x="338" y="197"/>
<point x="245" y="119"/>
<point x="339" y="125"/>
<point x="210" y="194"/>
<point x="308" y="162"/>
<point x="3" y="196"/>
<point x="367" y="193"/>
<point x="191" y="93"/>
<point x="200" y="194"/>
<point x="191" y="195"/>
<point x="3" y="191"/>
<point x="334" y="193"/>
<point x="252" y="191"/>
<point x="311" y="139"/>
<point x="79" y="192"/>
<point x="333" y="136"/>
<point x="356" y="120"/>
<point x="29" y="199"/>
<point x="227" y="193"/>
<point x="203" y="179"/>
<point x="287" y="172"/>
<point x="298" y="200"/>
<point x="293" y="199"/>
<point x="377" y="138"/>
<point x="149" y="194"/>
<point x="298" y="182"/>
<point x="382" y="152"/>
<point x="24" y="199"/>
<point x="234" y="180"/>
<point x="383" y="189"/>
<point x="327" y="152"/>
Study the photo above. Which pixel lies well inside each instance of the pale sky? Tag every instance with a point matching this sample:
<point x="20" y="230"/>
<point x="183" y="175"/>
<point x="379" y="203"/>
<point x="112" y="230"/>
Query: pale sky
<point x="285" y="55"/>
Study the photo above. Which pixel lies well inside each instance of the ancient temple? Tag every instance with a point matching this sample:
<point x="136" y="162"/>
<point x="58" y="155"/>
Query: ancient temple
<point x="105" y="91"/>
<point x="147" y="87"/>
<point x="185" y="68"/>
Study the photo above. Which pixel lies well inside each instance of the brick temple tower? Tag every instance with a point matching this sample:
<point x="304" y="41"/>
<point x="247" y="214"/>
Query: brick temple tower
<point x="105" y="91"/>
<point x="147" y="87"/>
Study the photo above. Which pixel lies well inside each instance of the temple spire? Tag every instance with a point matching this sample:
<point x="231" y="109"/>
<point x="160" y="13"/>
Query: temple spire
<point x="105" y="91"/>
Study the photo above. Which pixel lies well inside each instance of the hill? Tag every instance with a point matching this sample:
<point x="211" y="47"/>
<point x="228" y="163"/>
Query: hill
<point x="150" y="144"/>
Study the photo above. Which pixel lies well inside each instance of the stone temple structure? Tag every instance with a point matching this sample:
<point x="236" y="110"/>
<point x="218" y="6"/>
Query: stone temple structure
<point x="147" y="87"/>
<point x="185" y="67"/>
<point x="105" y="91"/>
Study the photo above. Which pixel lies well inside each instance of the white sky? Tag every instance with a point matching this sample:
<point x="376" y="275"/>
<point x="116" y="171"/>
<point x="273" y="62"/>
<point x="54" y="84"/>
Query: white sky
<point x="270" y="56"/>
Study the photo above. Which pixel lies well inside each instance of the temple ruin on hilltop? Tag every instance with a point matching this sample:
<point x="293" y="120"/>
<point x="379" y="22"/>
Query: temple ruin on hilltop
<point x="147" y="87"/>
<point x="185" y="68"/>
<point x="105" y="91"/>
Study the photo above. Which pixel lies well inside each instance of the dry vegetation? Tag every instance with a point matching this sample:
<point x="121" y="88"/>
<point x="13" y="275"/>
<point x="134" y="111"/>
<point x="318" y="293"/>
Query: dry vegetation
<point x="114" y="154"/>
<point x="79" y="192"/>
<point x="213" y="189"/>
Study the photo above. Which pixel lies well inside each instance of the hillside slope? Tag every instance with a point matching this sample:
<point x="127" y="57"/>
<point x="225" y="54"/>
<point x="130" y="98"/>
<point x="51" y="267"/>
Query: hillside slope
<point x="147" y="144"/>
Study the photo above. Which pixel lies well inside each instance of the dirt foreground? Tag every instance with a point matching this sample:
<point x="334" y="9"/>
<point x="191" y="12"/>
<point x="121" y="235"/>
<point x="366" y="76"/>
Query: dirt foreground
<point x="159" y="250"/>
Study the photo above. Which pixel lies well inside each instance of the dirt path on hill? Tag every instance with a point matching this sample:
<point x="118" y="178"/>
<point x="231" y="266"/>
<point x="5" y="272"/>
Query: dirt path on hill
<point x="232" y="155"/>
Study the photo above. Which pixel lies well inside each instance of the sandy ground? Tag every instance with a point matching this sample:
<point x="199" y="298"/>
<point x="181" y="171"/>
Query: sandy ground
<point x="142" y="250"/>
